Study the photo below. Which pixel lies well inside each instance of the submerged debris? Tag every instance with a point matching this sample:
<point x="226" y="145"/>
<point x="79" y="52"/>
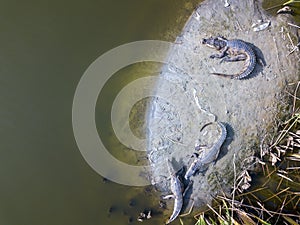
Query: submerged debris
<point x="132" y="203"/>
<point x="162" y="204"/>
<point x="145" y="215"/>
<point x="285" y="9"/>
<point x="244" y="181"/>
<point x="149" y="215"/>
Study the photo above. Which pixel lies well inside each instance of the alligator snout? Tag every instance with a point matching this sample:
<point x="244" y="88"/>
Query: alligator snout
<point x="204" y="41"/>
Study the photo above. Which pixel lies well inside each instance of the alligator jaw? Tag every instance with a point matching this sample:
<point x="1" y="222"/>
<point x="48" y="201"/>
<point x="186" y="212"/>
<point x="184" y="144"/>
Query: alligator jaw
<point x="208" y="43"/>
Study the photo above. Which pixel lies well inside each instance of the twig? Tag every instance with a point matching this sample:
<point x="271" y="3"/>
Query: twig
<point x="174" y="142"/>
<point x="293" y="25"/>
<point x="264" y="209"/>
<point x="276" y="194"/>
<point x="295" y="98"/>
<point x="234" y="184"/>
<point x="293" y="168"/>
<point x="291" y="200"/>
<point x="297" y="203"/>
<point x="199" y="106"/>
<point x="294" y="48"/>
<point x="212" y="209"/>
<point x="256" y="190"/>
<point x="269" y="176"/>
<point x="262" y="152"/>
<point x="285" y="177"/>
<point x="282" y="135"/>
<point x="238" y="24"/>
<point x="288" y="34"/>
<point x="276" y="49"/>
<point x="256" y="208"/>
<point x="273" y="7"/>
<point x="279" y="184"/>
<point x="281" y="208"/>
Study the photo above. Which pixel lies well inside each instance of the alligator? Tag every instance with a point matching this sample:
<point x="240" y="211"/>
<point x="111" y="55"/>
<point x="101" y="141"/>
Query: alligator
<point x="178" y="191"/>
<point x="231" y="51"/>
<point x="201" y="162"/>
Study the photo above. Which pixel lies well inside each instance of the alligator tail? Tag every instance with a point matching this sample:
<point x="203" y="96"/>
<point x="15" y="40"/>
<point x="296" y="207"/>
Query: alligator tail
<point x="176" y="211"/>
<point x="239" y="76"/>
<point x="248" y="68"/>
<point x="226" y="75"/>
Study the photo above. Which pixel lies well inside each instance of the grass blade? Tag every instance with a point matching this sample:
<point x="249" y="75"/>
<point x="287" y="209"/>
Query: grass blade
<point x="291" y="2"/>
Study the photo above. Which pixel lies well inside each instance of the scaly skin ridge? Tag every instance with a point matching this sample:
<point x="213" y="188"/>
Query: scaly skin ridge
<point x="238" y="47"/>
<point x="177" y="194"/>
<point x="212" y="155"/>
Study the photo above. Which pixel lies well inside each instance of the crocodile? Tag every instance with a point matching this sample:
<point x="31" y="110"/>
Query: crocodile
<point x="231" y="51"/>
<point x="202" y="162"/>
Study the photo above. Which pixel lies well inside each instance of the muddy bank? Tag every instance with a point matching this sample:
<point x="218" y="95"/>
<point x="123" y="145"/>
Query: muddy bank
<point x="188" y="97"/>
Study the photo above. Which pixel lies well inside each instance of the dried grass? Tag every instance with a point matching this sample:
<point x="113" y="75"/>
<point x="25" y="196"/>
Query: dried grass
<point x="276" y="198"/>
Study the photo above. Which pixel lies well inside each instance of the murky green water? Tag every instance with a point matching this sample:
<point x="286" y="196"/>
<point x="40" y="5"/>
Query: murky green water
<point x="45" y="48"/>
<point x="272" y="6"/>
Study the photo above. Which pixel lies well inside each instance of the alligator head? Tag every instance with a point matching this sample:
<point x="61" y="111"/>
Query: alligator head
<point x="215" y="42"/>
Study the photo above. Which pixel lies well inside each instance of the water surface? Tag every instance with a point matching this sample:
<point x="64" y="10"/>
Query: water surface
<point x="45" y="48"/>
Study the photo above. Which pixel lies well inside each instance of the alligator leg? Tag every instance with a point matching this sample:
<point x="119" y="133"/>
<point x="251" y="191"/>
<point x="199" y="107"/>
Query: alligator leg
<point x="240" y="57"/>
<point x="220" y="55"/>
